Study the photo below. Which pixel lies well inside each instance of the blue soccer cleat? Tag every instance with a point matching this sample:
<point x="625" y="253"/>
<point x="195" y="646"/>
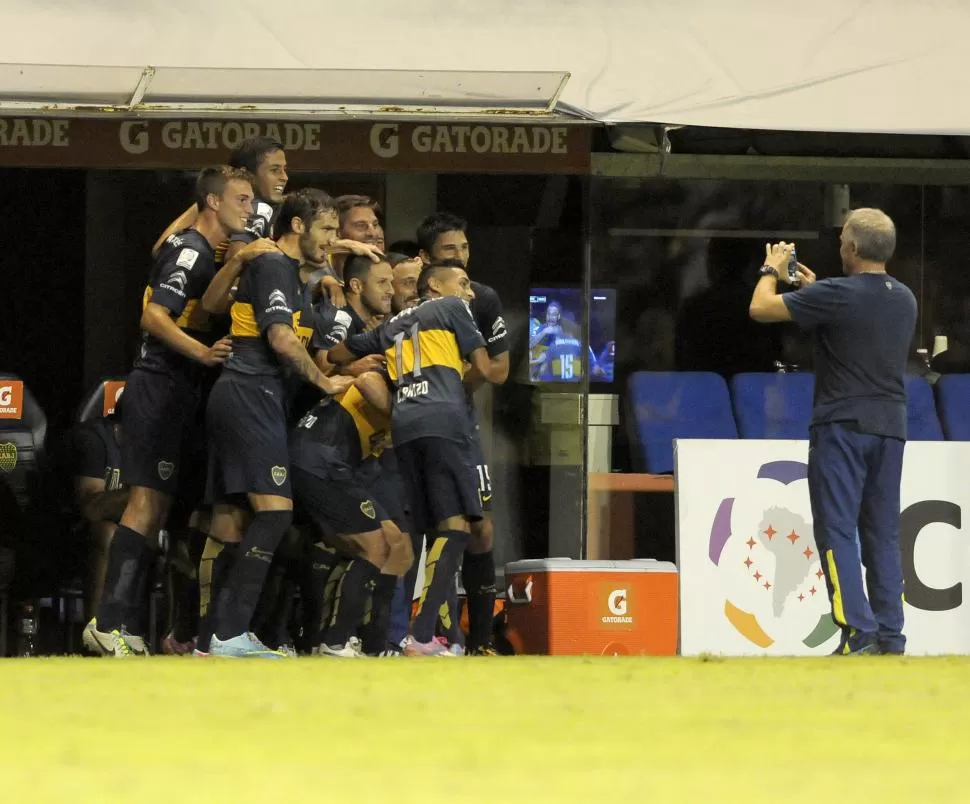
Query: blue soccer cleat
<point x="244" y="646"/>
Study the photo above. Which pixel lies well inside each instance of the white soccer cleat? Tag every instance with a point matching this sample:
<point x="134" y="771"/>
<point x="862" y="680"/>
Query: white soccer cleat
<point x="119" y="644"/>
<point x="352" y="650"/>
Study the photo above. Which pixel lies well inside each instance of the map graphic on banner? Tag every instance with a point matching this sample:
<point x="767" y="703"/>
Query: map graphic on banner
<point x="770" y="566"/>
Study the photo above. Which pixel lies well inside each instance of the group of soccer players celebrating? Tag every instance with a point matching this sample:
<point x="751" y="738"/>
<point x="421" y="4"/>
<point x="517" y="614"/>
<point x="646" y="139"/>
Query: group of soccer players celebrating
<point x="304" y="400"/>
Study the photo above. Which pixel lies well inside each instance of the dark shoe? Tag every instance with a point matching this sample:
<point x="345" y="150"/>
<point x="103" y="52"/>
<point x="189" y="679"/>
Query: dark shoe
<point x="857" y="644"/>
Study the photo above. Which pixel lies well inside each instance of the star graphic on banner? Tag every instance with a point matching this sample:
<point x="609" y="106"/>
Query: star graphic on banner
<point x="812" y="590"/>
<point x="793" y="537"/>
<point x="751" y="543"/>
<point x="819" y="574"/>
<point x="807" y="552"/>
<point x="801" y="598"/>
<point x="770" y="532"/>
<point x="748" y="562"/>
<point x="767" y="585"/>
<point x="757" y="575"/>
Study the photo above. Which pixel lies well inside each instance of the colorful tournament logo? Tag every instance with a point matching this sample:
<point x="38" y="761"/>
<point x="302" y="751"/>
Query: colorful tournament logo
<point x="769" y="564"/>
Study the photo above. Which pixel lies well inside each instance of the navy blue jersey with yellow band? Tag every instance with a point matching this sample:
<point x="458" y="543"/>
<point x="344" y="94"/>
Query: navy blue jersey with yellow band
<point x="426" y="348"/>
<point x="270" y="292"/>
<point x="181" y="272"/>
<point x="343" y="430"/>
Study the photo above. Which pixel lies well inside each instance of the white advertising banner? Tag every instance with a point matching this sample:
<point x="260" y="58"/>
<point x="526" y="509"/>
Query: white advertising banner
<point x="750" y="578"/>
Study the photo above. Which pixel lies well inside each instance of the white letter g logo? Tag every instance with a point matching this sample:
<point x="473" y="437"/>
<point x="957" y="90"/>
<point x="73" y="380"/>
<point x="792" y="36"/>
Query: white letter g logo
<point x="617" y="602"/>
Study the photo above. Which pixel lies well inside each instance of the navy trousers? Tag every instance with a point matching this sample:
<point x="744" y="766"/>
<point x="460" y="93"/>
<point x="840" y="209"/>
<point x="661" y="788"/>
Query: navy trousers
<point x="853" y="482"/>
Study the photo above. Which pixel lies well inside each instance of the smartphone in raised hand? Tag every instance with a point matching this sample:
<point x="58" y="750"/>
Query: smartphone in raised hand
<point x="793" y="276"/>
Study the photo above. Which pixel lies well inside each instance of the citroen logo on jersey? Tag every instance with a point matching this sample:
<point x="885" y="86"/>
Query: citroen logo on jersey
<point x="278" y="473"/>
<point x="165" y="469"/>
<point x="498" y="329"/>
<point x="277" y="297"/>
<point x="367" y="509"/>
<point x="176" y="282"/>
<point x="341" y="326"/>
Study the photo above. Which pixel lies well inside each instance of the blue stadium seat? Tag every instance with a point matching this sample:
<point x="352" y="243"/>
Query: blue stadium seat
<point x="953" y="397"/>
<point x="922" y="422"/>
<point x="773" y="405"/>
<point x="665" y="405"/>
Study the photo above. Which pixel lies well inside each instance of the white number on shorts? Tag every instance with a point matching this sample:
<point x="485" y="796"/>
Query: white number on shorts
<point x="484" y="480"/>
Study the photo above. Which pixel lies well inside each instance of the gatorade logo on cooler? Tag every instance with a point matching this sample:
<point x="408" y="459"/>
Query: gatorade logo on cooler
<point x="618" y="604"/>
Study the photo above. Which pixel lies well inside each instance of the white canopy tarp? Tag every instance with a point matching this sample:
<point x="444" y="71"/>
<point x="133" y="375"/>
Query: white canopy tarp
<point x="827" y="65"/>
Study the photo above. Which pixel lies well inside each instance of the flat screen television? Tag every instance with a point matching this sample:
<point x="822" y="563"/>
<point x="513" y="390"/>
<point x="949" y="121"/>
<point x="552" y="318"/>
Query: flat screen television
<point x="557" y="353"/>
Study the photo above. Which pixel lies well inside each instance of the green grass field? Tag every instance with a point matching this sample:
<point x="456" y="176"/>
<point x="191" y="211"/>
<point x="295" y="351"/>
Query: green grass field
<point x="506" y="729"/>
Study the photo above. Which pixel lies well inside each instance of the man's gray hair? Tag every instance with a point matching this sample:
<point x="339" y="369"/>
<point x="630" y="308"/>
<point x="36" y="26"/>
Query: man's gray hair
<point x="873" y="233"/>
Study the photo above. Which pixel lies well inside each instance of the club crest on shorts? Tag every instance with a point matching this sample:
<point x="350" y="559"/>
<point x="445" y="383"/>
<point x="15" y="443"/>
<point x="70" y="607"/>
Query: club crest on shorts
<point x="367" y="509"/>
<point x="165" y="469"/>
<point x="8" y="457"/>
<point x="278" y="473"/>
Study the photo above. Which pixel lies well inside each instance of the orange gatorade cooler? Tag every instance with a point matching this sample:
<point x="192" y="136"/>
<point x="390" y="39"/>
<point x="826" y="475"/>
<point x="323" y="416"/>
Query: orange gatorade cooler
<point x="561" y="607"/>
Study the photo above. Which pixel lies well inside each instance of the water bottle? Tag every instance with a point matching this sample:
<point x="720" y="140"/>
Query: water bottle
<point x="27" y="636"/>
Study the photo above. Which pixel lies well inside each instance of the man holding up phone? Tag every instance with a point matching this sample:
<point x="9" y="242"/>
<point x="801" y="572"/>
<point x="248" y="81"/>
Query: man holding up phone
<point x="863" y="325"/>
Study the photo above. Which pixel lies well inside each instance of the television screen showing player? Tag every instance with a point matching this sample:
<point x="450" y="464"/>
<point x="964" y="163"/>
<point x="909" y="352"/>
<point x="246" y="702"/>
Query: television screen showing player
<point x="557" y="352"/>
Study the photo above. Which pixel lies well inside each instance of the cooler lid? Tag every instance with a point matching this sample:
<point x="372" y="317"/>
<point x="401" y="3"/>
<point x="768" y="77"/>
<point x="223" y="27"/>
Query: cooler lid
<point x="571" y="565"/>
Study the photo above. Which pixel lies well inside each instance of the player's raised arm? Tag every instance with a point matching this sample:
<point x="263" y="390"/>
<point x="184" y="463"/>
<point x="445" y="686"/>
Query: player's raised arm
<point x="183" y="221"/>
<point x="218" y="296"/>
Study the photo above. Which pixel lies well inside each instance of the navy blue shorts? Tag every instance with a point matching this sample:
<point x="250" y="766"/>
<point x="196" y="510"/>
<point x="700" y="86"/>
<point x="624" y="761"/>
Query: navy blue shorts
<point x="440" y="480"/>
<point x="387" y="489"/>
<point x="338" y="504"/>
<point x="158" y="413"/>
<point x="481" y="469"/>
<point x="246" y="426"/>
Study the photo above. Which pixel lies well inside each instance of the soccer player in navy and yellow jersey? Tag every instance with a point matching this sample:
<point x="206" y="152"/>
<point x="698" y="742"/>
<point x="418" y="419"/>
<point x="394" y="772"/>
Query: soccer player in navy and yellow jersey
<point x="264" y="159"/>
<point x="442" y="237"/>
<point x="247" y="418"/>
<point x="162" y="394"/>
<point x="327" y="449"/>
<point x="426" y="349"/>
<point x="368" y="296"/>
<point x="369" y="293"/>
